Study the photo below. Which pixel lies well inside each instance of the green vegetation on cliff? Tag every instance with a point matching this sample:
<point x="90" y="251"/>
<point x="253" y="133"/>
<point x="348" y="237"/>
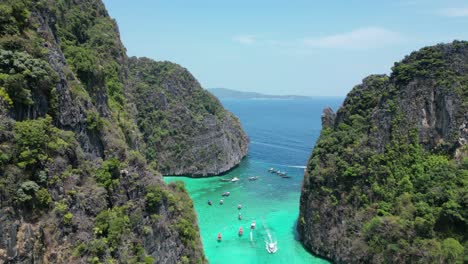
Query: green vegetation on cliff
<point x="74" y="116"/>
<point x="387" y="181"/>
<point x="185" y="128"/>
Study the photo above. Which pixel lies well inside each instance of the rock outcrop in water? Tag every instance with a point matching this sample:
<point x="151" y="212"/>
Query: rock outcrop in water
<point x="185" y="128"/>
<point x="75" y="185"/>
<point x="387" y="179"/>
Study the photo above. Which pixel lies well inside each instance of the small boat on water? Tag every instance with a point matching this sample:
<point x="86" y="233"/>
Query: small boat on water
<point x="219" y="237"/>
<point x="239" y="216"/>
<point x="286" y="177"/>
<point x="226" y="194"/>
<point x="254" y="178"/>
<point x="209" y="202"/>
<point x="241" y="232"/>
<point x="225" y="180"/>
<point x="234" y="179"/>
<point x="221" y="201"/>
<point x="271" y="247"/>
<point x="239" y="206"/>
<point x="252" y="225"/>
<point x="270" y="244"/>
<point x="282" y="173"/>
<point x="271" y="170"/>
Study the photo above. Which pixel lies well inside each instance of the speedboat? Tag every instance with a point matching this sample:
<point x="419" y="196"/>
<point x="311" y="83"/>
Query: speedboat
<point x="226" y="194"/>
<point x="271" y="170"/>
<point x="239" y="206"/>
<point x="221" y="201"/>
<point x="253" y="178"/>
<point x="271" y="247"/>
<point x="270" y="244"/>
<point x="234" y="179"/>
<point x="252" y="225"/>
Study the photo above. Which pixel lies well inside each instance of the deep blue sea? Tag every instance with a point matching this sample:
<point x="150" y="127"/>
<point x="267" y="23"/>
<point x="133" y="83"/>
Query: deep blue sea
<point x="282" y="134"/>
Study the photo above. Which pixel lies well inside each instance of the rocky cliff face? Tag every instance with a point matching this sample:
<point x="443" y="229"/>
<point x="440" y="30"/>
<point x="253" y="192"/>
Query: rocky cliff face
<point x="185" y="128"/>
<point x="386" y="181"/>
<point x="74" y="186"/>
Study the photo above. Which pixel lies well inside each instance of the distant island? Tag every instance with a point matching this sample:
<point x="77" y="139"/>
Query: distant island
<point x="223" y="93"/>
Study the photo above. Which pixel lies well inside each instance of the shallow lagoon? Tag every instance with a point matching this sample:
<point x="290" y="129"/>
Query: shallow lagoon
<point x="282" y="134"/>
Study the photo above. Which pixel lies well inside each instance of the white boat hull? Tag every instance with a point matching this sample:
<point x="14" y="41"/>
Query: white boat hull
<point x="271" y="247"/>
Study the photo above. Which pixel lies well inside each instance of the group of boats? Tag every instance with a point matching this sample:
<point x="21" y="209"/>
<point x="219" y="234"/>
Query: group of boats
<point x="282" y="174"/>
<point x="240" y="232"/>
<point x="270" y="245"/>
<point x="221" y="202"/>
<point x="234" y="179"/>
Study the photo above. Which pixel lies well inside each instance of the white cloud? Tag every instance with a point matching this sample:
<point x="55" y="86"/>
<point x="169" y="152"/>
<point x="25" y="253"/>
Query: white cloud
<point x="454" y="12"/>
<point x="245" y="39"/>
<point x="362" y="38"/>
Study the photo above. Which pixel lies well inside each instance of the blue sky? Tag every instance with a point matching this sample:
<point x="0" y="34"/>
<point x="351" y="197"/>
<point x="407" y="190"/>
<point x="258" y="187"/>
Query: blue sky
<point x="305" y="47"/>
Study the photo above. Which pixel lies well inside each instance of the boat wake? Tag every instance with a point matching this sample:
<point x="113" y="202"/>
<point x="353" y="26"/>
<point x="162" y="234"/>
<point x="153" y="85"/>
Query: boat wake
<point x="298" y="167"/>
<point x="271" y="245"/>
<point x="278" y="165"/>
<point x="252" y="242"/>
<point x="278" y="146"/>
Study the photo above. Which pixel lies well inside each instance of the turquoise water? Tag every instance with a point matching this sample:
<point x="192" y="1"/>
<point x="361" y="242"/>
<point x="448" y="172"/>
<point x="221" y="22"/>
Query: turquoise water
<point x="282" y="134"/>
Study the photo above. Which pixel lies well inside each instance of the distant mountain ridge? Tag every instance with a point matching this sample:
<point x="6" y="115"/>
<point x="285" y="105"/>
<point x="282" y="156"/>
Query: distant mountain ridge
<point x="224" y="93"/>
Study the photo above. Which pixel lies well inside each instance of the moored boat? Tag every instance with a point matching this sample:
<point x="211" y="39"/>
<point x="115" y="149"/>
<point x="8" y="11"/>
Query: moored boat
<point x="281" y="173"/>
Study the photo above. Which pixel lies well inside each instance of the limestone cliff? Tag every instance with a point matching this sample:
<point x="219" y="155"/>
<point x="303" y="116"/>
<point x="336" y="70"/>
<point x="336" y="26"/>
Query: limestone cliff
<point x="74" y="186"/>
<point x="185" y="128"/>
<point x="387" y="179"/>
